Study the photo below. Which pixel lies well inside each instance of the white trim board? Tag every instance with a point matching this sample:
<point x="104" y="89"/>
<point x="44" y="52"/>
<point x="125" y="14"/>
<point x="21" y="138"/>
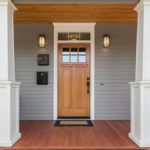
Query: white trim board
<point x="74" y="27"/>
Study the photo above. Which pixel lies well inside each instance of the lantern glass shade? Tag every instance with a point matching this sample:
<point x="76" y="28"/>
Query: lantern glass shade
<point x="42" y="41"/>
<point x="106" y="41"/>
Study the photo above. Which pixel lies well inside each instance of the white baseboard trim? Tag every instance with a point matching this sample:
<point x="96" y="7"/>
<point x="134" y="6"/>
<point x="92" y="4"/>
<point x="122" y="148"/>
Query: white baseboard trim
<point x="10" y="143"/>
<point x="139" y="143"/>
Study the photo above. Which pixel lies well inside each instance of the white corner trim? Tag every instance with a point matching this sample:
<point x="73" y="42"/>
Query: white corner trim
<point x="139" y="143"/>
<point x="74" y="27"/>
<point x="141" y="4"/>
<point x="10" y="143"/>
<point x="8" y="3"/>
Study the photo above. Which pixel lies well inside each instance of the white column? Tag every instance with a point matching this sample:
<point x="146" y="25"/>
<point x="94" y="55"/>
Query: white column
<point x="140" y="89"/>
<point x="9" y="89"/>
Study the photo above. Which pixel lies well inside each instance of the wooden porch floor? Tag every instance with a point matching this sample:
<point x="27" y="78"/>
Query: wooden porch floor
<point x="104" y="135"/>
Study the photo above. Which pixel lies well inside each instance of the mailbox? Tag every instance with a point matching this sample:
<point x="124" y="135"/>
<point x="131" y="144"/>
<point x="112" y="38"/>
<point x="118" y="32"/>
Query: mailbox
<point x="42" y="78"/>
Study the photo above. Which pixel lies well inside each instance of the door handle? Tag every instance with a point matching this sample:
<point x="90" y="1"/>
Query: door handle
<point x="88" y="84"/>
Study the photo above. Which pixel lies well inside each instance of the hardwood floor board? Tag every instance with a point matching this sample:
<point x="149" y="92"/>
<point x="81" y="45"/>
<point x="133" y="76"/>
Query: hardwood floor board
<point x="48" y="131"/>
<point x="110" y="134"/>
<point x="99" y="134"/>
<point x="120" y="133"/>
<point x="70" y="136"/>
<point x="58" y="137"/>
<point x="35" y="133"/>
<point x="77" y="138"/>
<point x="25" y="132"/>
<point x="124" y="130"/>
<point x="38" y="136"/>
<point x="87" y="137"/>
<point x="105" y="135"/>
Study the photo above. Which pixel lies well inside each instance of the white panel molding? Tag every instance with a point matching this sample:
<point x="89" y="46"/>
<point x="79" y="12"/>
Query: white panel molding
<point x="9" y="113"/>
<point x="140" y="113"/>
<point x="140" y="89"/>
<point x="74" y="27"/>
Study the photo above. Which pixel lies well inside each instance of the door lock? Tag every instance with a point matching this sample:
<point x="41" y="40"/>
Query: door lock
<point x="88" y="84"/>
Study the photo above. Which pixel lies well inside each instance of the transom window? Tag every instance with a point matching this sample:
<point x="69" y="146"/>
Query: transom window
<point x="74" y="54"/>
<point x="74" y="36"/>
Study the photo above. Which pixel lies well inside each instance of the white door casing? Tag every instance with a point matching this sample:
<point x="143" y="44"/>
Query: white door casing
<point x="74" y="27"/>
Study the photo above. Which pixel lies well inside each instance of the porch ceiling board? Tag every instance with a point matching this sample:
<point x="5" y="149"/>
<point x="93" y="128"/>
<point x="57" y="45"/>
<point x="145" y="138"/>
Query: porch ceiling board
<point x="99" y="13"/>
<point x="75" y="1"/>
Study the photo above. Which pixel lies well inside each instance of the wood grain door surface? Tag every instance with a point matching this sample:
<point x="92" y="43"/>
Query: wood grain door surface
<point x="73" y="74"/>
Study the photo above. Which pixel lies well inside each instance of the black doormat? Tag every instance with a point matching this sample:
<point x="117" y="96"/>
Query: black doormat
<point x="73" y="123"/>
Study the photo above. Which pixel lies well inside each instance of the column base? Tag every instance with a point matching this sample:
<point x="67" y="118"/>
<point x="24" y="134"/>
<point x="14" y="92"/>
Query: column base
<point x="140" y="113"/>
<point x="138" y="142"/>
<point x="10" y="143"/>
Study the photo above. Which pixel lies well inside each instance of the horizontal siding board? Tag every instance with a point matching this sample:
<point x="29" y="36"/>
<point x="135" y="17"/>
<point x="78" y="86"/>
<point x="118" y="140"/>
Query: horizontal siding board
<point x="26" y="107"/>
<point x="36" y="92"/>
<point x="113" y="111"/>
<point x="111" y="96"/>
<point x="31" y="111"/>
<point x="115" y="68"/>
<point x="31" y="115"/>
<point x="112" y="92"/>
<point x="36" y="101"/>
<point x="35" y="118"/>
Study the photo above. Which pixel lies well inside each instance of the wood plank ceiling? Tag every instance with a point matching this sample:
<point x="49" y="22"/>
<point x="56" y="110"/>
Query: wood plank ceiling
<point x="62" y="13"/>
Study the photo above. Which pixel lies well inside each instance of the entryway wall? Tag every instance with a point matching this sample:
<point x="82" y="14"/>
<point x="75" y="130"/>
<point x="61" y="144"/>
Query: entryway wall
<point x="114" y="67"/>
<point x="36" y="101"/>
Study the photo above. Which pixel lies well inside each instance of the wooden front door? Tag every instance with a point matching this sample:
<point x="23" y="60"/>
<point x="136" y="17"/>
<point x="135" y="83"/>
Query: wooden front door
<point x="73" y="80"/>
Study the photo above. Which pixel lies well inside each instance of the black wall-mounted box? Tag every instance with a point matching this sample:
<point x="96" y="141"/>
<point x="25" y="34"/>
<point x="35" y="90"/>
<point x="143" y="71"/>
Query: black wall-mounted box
<point x="42" y="78"/>
<point x="43" y="59"/>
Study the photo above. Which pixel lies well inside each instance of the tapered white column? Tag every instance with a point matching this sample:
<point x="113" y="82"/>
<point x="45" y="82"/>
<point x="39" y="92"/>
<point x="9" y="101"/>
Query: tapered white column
<point x="9" y="89"/>
<point x="140" y="89"/>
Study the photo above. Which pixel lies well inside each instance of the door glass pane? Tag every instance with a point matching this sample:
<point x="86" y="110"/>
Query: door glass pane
<point x="73" y="36"/>
<point x="82" y="50"/>
<point x="74" y="58"/>
<point x="74" y="50"/>
<point x="84" y="36"/>
<point x="65" y="58"/>
<point x="82" y="58"/>
<point x="62" y="36"/>
<point x="65" y="50"/>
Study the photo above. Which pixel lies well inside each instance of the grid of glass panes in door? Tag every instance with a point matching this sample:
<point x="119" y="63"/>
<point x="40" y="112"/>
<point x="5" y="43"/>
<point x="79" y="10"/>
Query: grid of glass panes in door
<point x="74" y="54"/>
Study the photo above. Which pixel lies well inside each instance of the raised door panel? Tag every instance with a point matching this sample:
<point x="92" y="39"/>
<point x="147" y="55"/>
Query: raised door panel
<point x="80" y="88"/>
<point x="66" y="88"/>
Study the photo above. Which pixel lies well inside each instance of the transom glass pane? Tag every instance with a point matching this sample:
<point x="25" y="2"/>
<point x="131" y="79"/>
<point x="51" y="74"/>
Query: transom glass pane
<point x="84" y="36"/>
<point x="65" y="50"/>
<point x="74" y="58"/>
<point x="62" y="36"/>
<point x="82" y="50"/>
<point x="74" y="50"/>
<point x="82" y="58"/>
<point x="74" y="36"/>
<point x="65" y="58"/>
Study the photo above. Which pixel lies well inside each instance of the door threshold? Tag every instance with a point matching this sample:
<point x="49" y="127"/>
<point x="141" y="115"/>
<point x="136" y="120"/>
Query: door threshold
<point x="73" y="117"/>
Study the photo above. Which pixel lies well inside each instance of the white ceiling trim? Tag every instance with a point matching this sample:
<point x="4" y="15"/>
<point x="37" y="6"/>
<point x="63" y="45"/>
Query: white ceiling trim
<point x="75" y="1"/>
